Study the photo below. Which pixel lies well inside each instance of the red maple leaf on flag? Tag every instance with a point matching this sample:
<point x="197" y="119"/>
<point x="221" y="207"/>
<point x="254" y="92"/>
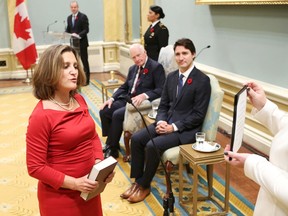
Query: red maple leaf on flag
<point x="25" y="24"/>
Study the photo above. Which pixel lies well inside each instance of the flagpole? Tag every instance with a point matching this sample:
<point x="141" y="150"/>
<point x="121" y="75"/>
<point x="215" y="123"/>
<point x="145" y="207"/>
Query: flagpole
<point x="27" y="80"/>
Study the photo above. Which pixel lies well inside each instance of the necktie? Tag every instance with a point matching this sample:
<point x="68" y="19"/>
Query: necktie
<point x="180" y="84"/>
<point x="73" y="20"/>
<point x="136" y="81"/>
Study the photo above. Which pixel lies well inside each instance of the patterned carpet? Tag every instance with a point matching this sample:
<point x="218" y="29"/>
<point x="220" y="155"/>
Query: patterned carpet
<point x="18" y="190"/>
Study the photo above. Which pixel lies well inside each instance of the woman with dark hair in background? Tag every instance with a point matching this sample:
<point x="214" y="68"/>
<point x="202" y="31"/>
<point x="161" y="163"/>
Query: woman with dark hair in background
<point x="157" y="35"/>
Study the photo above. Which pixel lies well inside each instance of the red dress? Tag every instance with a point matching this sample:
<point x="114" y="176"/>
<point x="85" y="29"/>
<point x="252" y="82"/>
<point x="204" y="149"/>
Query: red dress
<point x="62" y="143"/>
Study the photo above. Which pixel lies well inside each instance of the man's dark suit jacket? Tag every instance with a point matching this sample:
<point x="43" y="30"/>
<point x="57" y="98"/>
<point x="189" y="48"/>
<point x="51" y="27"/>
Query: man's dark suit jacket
<point x="81" y="27"/>
<point x="189" y="110"/>
<point x="155" y="40"/>
<point x="151" y="81"/>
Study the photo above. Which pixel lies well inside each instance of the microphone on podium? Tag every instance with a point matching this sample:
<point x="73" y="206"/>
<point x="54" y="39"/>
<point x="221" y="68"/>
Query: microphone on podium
<point x="167" y="203"/>
<point x="207" y="47"/>
<point x="48" y="26"/>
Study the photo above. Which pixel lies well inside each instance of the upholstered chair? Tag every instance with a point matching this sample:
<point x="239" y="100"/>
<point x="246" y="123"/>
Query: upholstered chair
<point x="132" y="119"/>
<point x="171" y="156"/>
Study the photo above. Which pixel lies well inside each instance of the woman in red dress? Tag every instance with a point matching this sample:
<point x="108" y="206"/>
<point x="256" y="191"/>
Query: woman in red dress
<point x="62" y="143"/>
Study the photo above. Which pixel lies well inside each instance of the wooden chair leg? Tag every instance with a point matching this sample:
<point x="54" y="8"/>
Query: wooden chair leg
<point x="209" y="172"/>
<point x="187" y="166"/>
<point x="127" y="138"/>
<point x="169" y="166"/>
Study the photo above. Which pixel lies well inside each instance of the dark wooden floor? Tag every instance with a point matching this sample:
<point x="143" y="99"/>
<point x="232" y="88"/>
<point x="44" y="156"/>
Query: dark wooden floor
<point x="238" y="181"/>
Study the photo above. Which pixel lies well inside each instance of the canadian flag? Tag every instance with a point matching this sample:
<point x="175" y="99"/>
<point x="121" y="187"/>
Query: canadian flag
<point x="23" y="40"/>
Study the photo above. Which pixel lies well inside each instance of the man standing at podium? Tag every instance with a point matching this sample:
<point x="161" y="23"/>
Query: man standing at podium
<point x="78" y="26"/>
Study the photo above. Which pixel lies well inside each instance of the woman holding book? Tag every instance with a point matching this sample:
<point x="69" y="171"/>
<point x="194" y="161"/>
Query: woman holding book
<point x="272" y="175"/>
<point x="62" y="143"/>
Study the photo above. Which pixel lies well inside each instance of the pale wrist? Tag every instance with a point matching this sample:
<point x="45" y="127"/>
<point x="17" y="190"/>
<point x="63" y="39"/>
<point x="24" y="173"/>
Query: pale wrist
<point x="74" y="184"/>
<point x="70" y="183"/>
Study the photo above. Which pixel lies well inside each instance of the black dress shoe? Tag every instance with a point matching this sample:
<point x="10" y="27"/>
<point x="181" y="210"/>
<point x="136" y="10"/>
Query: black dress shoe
<point x="111" y="152"/>
<point x="105" y="148"/>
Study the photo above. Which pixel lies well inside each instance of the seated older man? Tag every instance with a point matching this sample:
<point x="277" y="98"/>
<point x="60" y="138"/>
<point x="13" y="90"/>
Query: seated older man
<point x="145" y="80"/>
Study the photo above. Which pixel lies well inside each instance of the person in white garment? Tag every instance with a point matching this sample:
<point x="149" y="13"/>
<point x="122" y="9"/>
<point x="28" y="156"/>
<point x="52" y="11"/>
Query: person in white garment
<point x="272" y="174"/>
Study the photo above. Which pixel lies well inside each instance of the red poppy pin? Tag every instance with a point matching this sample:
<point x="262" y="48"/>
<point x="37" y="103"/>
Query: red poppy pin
<point x="151" y="30"/>
<point x="76" y="18"/>
<point x="145" y="71"/>
<point x="189" y="81"/>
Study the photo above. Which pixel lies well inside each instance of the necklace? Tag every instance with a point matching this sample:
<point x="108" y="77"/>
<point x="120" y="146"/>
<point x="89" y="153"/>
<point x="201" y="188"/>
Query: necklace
<point x="66" y="106"/>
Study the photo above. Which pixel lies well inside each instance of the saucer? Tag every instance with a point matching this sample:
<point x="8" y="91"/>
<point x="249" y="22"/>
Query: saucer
<point x="150" y="115"/>
<point x="206" y="147"/>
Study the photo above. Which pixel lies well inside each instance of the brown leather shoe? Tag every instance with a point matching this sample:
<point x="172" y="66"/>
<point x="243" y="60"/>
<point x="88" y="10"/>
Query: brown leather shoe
<point x="130" y="191"/>
<point x="139" y="195"/>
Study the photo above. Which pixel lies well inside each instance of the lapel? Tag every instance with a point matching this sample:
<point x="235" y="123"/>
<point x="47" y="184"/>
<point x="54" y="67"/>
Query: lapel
<point x="174" y="87"/>
<point x="140" y="77"/>
<point x="135" y="73"/>
<point x="143" y="76"/>
<point x="133" y="77"/>
<point x="157" y="26"/>
<point x="70" y="21"/>
<point x="77" y="18"/>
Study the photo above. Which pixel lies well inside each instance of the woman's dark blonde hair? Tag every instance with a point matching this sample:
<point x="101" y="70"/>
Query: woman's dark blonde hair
<point x="48" y="72"/>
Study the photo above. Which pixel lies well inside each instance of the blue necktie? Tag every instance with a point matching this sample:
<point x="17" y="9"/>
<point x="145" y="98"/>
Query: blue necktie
<point x="180" y="84"/>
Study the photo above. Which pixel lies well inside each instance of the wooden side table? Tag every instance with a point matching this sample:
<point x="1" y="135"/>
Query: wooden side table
<point x="105" y="85"/>
<point x="198" y="158"/>
<point x="148" y="120"/>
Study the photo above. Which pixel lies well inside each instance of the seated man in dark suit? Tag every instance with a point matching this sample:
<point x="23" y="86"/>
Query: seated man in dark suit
<point x="182" y="109"/>
<point x="145" y="80"/>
